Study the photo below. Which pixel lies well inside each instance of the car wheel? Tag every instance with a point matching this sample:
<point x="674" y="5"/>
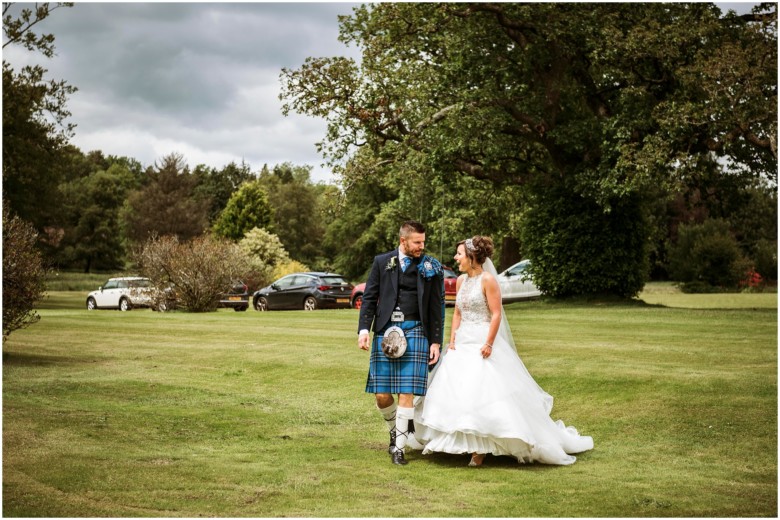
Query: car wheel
<point x="162" y="307"/>
<point x="357" y="303"/>
<point x="124" y="305"/>
<point x="310" y="303"/>
<point x="91" y="304"/>
<point x="261" y="304"/>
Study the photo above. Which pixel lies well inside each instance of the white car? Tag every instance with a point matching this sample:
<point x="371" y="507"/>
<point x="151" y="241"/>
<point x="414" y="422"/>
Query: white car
<point x="121" y="293"/>
<point x="515" y="283"/>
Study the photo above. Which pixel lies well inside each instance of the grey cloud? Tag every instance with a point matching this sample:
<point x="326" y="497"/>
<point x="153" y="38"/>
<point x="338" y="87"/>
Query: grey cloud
<point x="203" y="75"/>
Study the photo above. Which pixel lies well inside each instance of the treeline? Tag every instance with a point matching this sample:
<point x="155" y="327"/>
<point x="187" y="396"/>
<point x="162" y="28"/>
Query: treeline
<point x="607" y="153"/>
<point x="105" y="207"/>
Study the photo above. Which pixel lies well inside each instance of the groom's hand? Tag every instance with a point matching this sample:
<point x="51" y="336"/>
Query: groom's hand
<point x="363" y="342"/>
<point x="434" y="355"/>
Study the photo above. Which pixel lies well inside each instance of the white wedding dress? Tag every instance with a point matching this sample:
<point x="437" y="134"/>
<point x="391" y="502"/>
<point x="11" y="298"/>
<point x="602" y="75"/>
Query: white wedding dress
<point x="493" y="405"/>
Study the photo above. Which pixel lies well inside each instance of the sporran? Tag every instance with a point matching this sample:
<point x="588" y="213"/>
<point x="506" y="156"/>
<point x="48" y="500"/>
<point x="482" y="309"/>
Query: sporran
<point x="394" y="342"/>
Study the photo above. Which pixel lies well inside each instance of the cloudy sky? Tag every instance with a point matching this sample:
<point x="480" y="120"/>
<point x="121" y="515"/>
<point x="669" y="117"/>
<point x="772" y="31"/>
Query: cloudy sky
<point x="200" y="79"/>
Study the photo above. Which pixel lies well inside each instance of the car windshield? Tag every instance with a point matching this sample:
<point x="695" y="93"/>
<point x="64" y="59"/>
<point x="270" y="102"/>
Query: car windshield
<point x="449" y="273"/>
<point x="518" y="269"/>
<point x="333" y="280"/>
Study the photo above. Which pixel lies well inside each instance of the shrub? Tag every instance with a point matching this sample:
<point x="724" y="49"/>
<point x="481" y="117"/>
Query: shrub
<point x="764" y="256"/>
<point x="290" y="267"/>
<point x="578" y="248"/>
<point x="198" y="271"/>
<point x="24" y="274"/>
<point x="706" y="256"/>
<point x="265" y="252"/>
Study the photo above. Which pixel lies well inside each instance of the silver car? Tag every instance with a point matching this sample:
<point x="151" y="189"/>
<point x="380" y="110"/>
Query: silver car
<point x="516" y="284"/>
<point x="121" y="293"/>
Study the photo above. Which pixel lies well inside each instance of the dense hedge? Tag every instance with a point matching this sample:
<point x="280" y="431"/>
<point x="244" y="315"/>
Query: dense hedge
<point x="581" y="248"/>
<point x="707" y="257"/>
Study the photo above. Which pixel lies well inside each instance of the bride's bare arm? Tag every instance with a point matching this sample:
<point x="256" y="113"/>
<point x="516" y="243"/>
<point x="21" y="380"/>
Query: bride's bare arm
<point x="455" y="315"/>
<point x="493" y="296"/>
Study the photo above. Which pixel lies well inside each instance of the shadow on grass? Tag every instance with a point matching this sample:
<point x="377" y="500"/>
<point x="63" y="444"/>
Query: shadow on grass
<point x="23" y="359"/>
<point x="580" y="301"/>
<point x="461" y="461"/>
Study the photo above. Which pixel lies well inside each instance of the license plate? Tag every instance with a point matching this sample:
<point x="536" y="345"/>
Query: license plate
<point x="449" y="297"/>
<point x="235" y="298"/>
<point x="342" y="300"/>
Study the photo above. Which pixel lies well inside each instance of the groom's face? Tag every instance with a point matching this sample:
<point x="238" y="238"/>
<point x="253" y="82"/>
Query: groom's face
<point x="414" y="244"/>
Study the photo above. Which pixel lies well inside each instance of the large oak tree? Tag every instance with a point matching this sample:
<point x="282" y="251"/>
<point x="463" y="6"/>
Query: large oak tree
<point x="592" y="108"/>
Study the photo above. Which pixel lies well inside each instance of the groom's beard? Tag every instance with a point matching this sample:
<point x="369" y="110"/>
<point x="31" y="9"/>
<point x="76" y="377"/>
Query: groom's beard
<point x="413" y="253"/>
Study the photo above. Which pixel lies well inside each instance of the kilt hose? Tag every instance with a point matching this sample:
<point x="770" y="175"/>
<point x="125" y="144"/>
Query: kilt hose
<point x="405" y="375"/>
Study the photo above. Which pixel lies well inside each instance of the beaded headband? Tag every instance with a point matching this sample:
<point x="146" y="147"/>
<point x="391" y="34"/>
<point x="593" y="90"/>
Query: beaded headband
<point x="470" y="245"/>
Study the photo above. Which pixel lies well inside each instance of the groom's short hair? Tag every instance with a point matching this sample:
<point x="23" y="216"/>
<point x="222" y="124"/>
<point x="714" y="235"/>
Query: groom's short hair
<point x="409" y="227"/>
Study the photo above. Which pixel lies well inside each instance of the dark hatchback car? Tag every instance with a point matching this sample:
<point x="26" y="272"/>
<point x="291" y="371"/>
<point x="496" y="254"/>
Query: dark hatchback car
<point x="237" y="298"/>
<point x="307" y="291"/>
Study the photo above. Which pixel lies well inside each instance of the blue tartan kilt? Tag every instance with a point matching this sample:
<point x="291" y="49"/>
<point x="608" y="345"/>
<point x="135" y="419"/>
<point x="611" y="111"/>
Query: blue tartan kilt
<point x="405" y="375"/>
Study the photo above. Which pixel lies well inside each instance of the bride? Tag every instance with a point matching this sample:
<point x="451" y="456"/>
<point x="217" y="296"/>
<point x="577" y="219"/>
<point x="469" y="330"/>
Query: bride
<point x="481" y="399"/>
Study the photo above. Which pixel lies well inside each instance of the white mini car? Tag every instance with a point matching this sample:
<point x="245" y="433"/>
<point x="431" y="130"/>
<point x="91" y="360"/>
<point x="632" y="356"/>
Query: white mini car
<point x="122" y="294"/>
<point x="514" y="287"/>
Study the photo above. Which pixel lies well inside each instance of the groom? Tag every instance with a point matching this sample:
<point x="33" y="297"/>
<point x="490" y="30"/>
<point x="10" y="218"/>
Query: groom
<point x="405" y="289"/>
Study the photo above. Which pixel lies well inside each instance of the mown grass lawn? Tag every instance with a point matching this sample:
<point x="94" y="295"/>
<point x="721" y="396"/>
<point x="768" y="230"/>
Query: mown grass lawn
<point x="263" y="415"/>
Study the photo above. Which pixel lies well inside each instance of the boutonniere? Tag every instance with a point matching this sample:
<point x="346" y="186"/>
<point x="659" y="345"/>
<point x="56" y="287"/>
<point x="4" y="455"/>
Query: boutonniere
<point x="391" y="263"/>
<point x="429" y="267"/>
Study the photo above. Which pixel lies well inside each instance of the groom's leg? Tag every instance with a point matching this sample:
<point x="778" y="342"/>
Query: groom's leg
<point x="407" y="401"/>
<point x="388" y="414"/>
<point x="404" y="415"/>
<point x="384" y="400"/>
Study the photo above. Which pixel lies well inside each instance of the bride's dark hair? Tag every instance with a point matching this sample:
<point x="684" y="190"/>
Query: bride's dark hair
<point x="478" y="248"/>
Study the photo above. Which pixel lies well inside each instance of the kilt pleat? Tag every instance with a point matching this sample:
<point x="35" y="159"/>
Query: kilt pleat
<point x="405" y="375"/>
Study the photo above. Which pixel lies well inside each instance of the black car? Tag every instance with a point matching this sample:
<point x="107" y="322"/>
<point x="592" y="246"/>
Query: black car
<point x="307" y="291"/>
<point x="237" y="298"/>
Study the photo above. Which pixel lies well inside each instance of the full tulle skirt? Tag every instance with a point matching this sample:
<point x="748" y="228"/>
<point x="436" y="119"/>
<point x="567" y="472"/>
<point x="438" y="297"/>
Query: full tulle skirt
<point x="477" y="405"/>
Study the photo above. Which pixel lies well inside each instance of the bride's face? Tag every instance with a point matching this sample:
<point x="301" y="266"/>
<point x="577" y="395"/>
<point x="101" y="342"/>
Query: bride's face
<point x="461" y="259"/>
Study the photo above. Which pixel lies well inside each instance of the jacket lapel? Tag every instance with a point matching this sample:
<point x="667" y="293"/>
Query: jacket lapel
<point x="393" y="273"/>
<point x="420" y="289"/>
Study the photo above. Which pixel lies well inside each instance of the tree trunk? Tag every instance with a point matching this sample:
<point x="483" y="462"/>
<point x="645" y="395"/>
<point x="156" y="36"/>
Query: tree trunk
<point x="510" y="252"/>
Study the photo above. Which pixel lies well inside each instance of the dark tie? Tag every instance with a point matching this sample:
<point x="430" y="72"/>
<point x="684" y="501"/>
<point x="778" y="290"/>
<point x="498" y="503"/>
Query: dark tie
<point x="405" y="261"/>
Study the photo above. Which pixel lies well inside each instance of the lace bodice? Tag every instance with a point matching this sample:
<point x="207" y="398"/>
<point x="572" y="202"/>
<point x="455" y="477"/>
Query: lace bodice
<point x="472" y="302"/>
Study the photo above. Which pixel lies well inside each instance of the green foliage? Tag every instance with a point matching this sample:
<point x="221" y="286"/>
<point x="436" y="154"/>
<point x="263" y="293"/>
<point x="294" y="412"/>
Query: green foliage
<point x="166" y="205"/>
<point x="24" y="274"/>
<point x="297" y="218"/>
<point x="198" y="270"/>
<point x="247" y="208"/>
<point x="92" y="204"/>
<point x="706" y="257"/>
<point x="289" y="267"/>
<point x="265" y="253"/>
<point x="764" y="256"/>
<point x="216" y="186"/>
<point x="34" y="114"/>
<point x="613" y="100"/>
<point x="578" y="248"/>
